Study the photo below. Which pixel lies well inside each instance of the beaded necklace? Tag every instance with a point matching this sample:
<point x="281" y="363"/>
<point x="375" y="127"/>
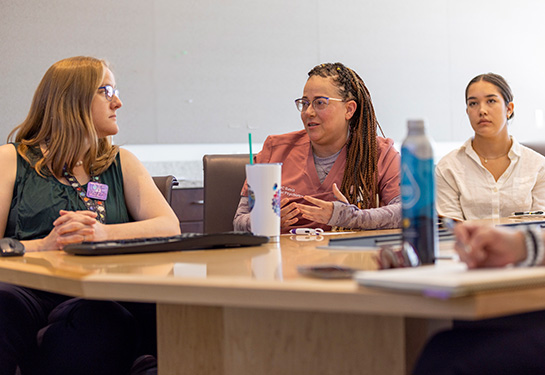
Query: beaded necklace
<point x="93" y="197"/>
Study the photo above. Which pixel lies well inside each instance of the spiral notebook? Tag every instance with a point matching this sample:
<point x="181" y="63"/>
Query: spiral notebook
<point x="448" y="279"/>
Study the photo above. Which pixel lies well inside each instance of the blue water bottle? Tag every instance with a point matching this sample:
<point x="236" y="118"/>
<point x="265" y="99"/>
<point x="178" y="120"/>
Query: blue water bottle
<point x="419" y="225"/>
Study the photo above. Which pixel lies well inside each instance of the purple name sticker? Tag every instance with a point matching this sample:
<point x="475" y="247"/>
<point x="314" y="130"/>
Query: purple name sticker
<point x="97" y="190"/>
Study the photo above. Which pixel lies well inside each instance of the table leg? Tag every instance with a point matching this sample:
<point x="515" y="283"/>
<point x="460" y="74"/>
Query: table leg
<point x="236" y="341"/>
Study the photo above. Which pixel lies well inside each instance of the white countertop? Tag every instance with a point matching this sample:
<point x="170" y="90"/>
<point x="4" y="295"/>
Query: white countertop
<point x="184" y="161"/>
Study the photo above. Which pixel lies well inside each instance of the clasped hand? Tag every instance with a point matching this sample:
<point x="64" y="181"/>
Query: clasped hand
<point x="74" y="227"/>
<point x="320" y="211"/>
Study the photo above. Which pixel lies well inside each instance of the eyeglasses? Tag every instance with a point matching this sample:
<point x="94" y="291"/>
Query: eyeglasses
<point x="320" y="103"/>
<point x="109" y="92"/>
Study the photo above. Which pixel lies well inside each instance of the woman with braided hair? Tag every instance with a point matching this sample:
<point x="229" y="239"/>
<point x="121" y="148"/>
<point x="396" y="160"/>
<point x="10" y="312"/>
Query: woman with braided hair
<point x="336" y="172"/>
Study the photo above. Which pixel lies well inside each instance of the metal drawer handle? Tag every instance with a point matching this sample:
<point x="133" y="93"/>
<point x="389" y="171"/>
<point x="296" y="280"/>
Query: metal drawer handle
<point x="201" y="202"/>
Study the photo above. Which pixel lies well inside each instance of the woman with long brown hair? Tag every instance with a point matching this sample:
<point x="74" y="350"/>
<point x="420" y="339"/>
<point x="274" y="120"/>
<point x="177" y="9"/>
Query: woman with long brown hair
<point x="336" y="172"/>
<point x="64" y="182"/>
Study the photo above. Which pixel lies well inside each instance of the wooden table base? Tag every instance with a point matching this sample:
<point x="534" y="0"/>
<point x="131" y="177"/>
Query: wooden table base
<point x="200" y="340"/>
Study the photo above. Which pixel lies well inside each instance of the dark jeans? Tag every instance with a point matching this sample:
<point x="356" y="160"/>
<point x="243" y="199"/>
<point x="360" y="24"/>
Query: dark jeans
<point x="45" y="333"/>
<point x="507" y="345"/>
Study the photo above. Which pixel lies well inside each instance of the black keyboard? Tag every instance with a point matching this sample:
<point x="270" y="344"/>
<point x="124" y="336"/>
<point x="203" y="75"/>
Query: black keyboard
<point x="183" y="242"/>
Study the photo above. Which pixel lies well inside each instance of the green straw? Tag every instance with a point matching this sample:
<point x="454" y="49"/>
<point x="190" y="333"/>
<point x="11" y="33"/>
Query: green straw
<point x="250" y="142"/>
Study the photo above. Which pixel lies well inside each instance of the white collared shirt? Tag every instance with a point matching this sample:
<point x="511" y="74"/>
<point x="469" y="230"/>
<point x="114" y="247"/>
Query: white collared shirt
<point x="467" y="190"/>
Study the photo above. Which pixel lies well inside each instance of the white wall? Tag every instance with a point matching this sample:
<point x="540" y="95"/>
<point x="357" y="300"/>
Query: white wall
<point x="209" y="71"/>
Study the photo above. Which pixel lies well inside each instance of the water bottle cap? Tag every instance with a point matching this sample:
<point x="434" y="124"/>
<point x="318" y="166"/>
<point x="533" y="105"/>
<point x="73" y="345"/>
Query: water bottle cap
<point x="416" y="124"/>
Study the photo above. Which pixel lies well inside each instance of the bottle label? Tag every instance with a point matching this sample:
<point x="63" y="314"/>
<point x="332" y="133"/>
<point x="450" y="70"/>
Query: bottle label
<point x="417" y="184"/>
<point x="418" y="205"/>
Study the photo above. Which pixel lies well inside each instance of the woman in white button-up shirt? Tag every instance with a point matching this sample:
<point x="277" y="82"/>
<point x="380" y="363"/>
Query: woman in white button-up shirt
<point x="491" y="175"/>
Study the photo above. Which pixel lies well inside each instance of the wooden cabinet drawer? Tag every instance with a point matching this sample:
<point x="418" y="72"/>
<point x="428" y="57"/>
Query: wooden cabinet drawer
<point x="188" y="204"/>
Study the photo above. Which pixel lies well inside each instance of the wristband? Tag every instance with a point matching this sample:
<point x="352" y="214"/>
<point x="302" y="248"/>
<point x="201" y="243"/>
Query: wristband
<point x="540" y="252"/>
<point x="534" y="248"/>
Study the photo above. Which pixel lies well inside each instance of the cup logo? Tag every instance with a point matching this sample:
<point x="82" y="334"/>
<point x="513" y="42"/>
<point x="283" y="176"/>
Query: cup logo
<point x="251" y="198"/>
<point x="276" y="200"/>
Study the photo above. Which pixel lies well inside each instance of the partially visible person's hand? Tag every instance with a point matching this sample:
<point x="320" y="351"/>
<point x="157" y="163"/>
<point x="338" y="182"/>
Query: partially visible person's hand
<point x="321" y="211"/>
<point x="487" y="246"/>
<point x="338" y="194"/>
<point x="288" y="213"/>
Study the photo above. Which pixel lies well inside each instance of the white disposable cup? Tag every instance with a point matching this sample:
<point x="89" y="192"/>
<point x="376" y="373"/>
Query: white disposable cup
<point x="264" y="185"/>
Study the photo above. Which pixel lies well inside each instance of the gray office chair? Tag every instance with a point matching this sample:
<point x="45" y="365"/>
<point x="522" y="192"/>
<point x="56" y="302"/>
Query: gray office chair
<point x="165" y="185"/>
<point x="224" y="176"/>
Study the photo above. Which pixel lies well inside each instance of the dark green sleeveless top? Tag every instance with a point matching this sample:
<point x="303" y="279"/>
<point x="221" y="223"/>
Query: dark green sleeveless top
<point x="37" y="200"/>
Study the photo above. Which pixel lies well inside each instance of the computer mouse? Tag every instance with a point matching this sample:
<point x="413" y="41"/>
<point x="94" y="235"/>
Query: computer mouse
<point x="10" y="247"/>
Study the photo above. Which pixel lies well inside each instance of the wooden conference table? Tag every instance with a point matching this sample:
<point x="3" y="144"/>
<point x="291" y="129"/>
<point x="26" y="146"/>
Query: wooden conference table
<point x="248" y="311"/>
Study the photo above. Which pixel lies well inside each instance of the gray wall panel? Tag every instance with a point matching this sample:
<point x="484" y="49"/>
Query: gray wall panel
<point x="210" y="71"/>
